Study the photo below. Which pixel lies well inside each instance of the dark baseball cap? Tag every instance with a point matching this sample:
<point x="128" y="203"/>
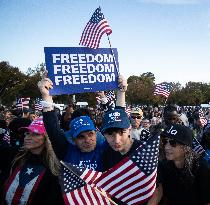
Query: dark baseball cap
<point x="180" y="133"/>
<point x="116" y="118"/>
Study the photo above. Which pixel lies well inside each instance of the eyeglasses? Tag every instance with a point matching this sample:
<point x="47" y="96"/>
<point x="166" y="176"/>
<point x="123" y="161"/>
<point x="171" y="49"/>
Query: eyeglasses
<point x="172" y="142"/>
<point x="136" y="116"/>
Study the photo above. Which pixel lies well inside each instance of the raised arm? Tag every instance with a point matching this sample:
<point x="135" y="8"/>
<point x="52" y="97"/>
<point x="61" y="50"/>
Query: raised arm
<point x="56" y="135"/>
<point x="122" y="87"/>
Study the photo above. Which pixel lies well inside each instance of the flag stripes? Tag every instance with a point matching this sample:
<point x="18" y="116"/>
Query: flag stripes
<point x="202" y="118"/>
<point x="94" y="30"/>
<point x="163" y="89"/>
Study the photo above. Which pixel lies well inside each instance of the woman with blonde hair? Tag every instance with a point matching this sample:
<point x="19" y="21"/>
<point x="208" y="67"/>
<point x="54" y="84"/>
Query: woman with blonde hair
<point x="34" y="174"/>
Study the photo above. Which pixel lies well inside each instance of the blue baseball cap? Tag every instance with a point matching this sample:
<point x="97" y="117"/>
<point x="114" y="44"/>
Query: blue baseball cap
<point x="81" y="124"/>
<point x="116" y="118"/>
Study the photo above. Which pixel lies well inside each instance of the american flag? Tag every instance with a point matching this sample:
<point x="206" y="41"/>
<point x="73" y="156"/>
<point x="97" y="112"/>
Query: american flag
<point x="38" y="106"/>
<point x="145" y="134"/>
<point x="94" y="30"/>
<point x="197" y="146"/>
<point x="111" y="98"/>
<point x="22" y="103"/>
<point x="163" y="89"/>
<point x="128" y="110"/>
<point x="133" y="180"/>
<point x="202" y="118"/>
<point x="110" y="104"/>
<point x="6" y="136"/>
<point x="76" y="186"/>
<point x="19" y="103"/>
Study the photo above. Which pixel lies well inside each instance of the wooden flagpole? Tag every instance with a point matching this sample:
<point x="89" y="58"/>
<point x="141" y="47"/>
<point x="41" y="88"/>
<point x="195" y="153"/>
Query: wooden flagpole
<point x="101" y="192"/>
<point x="110" y="45"/>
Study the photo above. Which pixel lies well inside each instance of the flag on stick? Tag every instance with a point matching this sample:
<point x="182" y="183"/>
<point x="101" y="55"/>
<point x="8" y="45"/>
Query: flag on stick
<point x="133" y="180"/>
<point x="38" y="106"/>
<point x="76" y="186"/>
<point x="6" y="136"/>
<point x="128" y="110"/>
<point x="22" y="103"/>
<point x="163" y="89"/>
<point x="202" y="118"/>
<point x="94" y="30"/>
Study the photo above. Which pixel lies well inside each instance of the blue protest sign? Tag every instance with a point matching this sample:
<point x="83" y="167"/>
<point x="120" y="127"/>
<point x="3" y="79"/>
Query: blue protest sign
<point x="78" y="69"/>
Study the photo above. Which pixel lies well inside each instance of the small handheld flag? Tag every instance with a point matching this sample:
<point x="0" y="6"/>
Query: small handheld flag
<point x="163" y="89"/>
<point x="202" y="118"/>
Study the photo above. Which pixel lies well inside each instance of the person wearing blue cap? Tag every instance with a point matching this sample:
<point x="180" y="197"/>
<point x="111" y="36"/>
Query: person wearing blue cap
<point x="116" y="128"/>
<point x="85" y="150"/>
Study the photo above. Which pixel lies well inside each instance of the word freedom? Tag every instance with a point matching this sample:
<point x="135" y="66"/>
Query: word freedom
<point x="83" y="68"/>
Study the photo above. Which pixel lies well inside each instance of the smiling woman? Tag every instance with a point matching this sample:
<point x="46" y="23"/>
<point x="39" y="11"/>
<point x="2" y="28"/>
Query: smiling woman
<point x="34" y="170"/>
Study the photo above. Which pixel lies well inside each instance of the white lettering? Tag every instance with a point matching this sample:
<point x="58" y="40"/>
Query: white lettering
<point x="110" y="78"/>
<point x="66" y="69"/>
<point x="82" y="68"/>
<point x="74" y="58"/>
<point x="84" y="79"/>
<point x="98" y="67"/>
<point x="58" y="79"/>
<point x="74" y="68"/>
<point x="90" y="68"/>
<point x="56" y="57"/>
<point x="76" y="79"/>
<point x="90" y="58"/>
<point x="100" y="78"/>
<point x="57" y="68"/>
<point x="108" y="58"/>
<point x="82" y="58"/>
<point x="65" y="58"/>
<point x="109" y="68"/>
<point x="99" y="58"/>
<point x="91" y="78"/>
<point x="67" y="79"/>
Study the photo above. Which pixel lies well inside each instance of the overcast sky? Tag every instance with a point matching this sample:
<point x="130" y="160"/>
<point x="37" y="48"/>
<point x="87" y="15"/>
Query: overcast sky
<point x="170" y="38"/>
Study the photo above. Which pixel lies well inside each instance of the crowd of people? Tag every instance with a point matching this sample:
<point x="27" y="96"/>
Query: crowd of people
<point x="32" y="145"/>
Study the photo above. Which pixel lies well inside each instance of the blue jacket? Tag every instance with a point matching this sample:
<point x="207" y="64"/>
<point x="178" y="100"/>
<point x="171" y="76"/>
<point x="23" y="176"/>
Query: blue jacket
<point x="69" y="152"/>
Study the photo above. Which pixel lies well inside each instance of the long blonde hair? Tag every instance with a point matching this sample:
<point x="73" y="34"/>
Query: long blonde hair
<point x="48" y="157"/>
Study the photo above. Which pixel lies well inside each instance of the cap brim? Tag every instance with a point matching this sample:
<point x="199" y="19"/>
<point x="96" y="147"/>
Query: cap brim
<point x="27" y="129"/>
<point x="24" y="129"/>
<point x="112" y="126"/>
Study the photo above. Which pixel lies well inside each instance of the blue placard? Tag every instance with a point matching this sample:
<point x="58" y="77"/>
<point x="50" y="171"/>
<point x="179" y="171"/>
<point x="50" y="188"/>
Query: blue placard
<point x="78" y="69"/>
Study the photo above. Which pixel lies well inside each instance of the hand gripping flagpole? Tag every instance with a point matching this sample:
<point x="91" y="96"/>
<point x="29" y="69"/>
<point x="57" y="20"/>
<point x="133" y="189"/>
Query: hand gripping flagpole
<point x="207" y="155"/>
<point x="115" y="63"/>
<point x="101" y="192"/>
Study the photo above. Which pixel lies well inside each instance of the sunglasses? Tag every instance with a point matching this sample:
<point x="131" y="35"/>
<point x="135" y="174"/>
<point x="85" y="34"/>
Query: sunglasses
<point x="172" y="142"/>
<point x="136" y="117"/>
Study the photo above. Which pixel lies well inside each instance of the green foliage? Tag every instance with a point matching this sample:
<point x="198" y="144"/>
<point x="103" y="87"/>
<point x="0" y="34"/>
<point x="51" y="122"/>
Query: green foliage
<point x="14" y="83"/>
